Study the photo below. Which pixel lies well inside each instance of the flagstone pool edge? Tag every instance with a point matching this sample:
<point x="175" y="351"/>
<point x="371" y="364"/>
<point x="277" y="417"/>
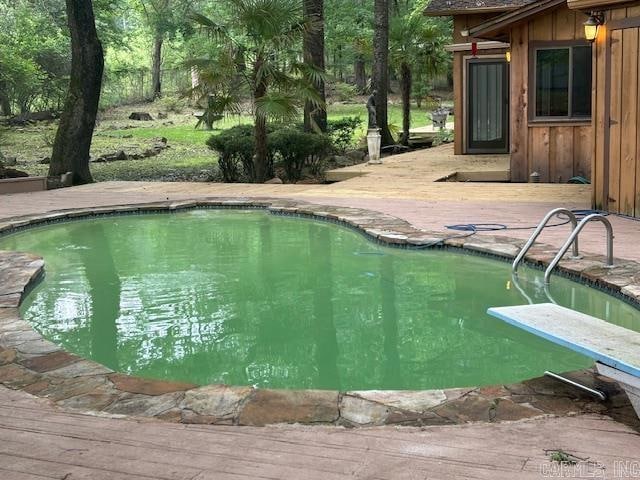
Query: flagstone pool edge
<point x="32" y="364"/>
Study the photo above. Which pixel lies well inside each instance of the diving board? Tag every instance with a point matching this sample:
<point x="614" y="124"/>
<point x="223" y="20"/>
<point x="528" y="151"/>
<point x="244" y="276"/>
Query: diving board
<point x="615" y="349"/>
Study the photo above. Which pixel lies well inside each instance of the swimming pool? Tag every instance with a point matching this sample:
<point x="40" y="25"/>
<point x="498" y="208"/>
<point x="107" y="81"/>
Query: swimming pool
<point x="250" y="298"/>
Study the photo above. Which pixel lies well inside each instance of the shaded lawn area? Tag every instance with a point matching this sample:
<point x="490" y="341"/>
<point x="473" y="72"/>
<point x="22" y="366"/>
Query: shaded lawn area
<point x="187" y="159"/>
<point x="419" y="116"/>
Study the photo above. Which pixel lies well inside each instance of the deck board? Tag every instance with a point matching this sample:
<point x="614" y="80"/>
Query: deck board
<point x="605" y="342"/>
<point x="38" y="441"/>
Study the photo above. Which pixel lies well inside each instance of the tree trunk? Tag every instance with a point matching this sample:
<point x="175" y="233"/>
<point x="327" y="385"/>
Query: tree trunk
<point x="315" y="117"/>
<point x="5" y="106"/>
<point x="156" y="78"/>
<point x="335" y="63"/>
<point x="361" y="74"/>
<point x="380" y="76"/>
<point x="78" y="119"/>
<point x="260" y="168"/>
<point x="5" y="103"/>
<point x="405" y="89"/>
<point x="261" y="159"/>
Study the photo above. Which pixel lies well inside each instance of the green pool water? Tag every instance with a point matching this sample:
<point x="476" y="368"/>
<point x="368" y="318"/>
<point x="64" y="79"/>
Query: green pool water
<point x="249" y="298"/>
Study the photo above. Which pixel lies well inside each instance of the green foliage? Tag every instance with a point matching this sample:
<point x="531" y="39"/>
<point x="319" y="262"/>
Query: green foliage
<point x="166" y="18"/>
<point x="560" y="456"/>
<point x="342" y="132"/>
<point x="349" y="34"/>
<point x="255" y="55"/>
<point x="35" y="54"/>
<point x="420" y="90"/>
<point x="235" y="147"/>
<point x="444" y="136"/>
<point x="35" y="57"/>
<point x="298" y="149"/>
<point x="345" y="92"/>
<point x="172" y="103"/>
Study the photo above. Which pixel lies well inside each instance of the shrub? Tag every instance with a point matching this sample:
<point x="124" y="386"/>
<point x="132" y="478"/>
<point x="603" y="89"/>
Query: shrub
<point x="345" y="92"/>
<point x="236" y="147"/>
<point x="444" y="136"/>
<point x="342" y="132"/>
<point x="298" y="149"/>
<point x="321" y="146"/>
<point x="170" y="103"/>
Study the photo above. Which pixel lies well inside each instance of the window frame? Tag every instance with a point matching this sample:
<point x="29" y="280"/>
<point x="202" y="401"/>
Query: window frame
<point x="533" y="56"/>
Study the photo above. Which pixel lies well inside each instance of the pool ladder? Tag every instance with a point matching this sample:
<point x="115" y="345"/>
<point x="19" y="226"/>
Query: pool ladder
<point x="577" y="227"/>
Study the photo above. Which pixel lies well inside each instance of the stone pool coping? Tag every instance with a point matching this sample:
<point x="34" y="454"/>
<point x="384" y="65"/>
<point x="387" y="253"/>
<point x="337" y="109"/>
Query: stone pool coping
<point x="30" y="363"/>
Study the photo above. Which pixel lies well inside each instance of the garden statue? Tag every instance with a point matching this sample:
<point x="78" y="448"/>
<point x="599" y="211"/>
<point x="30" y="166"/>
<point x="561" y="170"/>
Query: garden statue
<point x="371" y="108"/>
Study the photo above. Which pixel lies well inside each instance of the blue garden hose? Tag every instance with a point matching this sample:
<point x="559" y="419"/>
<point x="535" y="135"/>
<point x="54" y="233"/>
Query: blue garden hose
<point x="496" y="227"/>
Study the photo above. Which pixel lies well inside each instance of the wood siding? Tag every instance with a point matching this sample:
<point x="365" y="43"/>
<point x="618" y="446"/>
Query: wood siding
<point x="556" y="150"/>
<point x="617" y="112"/>
<point x="464" y="22"/>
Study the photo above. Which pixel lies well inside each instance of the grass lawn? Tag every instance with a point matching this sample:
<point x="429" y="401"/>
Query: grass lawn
<point x="188" y="158"/>
<point x="419" y="116"/>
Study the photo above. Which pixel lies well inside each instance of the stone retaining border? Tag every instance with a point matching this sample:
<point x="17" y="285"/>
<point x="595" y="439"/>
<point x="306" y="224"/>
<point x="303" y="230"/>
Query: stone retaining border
<point x="30" y="363"/>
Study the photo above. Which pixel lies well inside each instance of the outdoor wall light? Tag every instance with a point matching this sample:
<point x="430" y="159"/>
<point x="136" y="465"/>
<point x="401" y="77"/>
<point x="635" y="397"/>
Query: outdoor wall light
<point x="464" y="32"/>
<point x="507" y="56"/>
<point x="592" y="25"/>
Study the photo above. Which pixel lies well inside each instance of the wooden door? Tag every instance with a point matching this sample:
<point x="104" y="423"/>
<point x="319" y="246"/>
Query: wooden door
<point x="623" y="145"/>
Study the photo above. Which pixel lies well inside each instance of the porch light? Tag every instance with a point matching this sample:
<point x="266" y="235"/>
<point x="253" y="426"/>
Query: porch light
<point x="592" y="25"/>
<point x="507" y="55"/>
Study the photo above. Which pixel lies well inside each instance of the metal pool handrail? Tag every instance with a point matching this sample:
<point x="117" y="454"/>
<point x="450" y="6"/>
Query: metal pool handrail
<point x="538" y="231"/>
<point x="574" y="236"/>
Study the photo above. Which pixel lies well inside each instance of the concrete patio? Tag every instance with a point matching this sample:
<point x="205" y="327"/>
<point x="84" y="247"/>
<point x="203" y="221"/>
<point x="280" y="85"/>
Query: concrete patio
<point x="42" y="440"/>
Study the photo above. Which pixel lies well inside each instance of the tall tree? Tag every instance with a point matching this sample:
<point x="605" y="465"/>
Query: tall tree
<point x="75" y="131"/>
<point x="380" y="76"/>
<point x="315" y="116"/>
<point x="164" y="18"/>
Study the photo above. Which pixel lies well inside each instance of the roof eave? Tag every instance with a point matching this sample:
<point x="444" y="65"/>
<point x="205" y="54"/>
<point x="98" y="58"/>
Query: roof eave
<point x="494" y="28"/>
<point x="465" y="11"/>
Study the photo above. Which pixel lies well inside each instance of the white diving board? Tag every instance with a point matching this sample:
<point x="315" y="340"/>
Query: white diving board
<point x="615" y="349"/>
<point x="605" y="342"/>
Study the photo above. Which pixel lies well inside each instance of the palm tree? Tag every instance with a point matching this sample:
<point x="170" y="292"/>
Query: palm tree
<point x="254" y="58"/>
<point x="416" y="43"/>
<point x="313" y="49"/>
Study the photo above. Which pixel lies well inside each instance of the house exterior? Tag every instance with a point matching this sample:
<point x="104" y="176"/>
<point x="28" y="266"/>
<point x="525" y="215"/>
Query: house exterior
<point x="481" y="119"/>
<point x="562" y="106"/>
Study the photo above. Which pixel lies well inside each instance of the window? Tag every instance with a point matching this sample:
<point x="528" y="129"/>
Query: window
<point x="563" y="82"/>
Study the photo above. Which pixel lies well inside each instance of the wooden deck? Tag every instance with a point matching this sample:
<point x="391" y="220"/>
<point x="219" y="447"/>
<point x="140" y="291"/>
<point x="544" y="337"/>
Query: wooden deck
<point x="39" y="442"/>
